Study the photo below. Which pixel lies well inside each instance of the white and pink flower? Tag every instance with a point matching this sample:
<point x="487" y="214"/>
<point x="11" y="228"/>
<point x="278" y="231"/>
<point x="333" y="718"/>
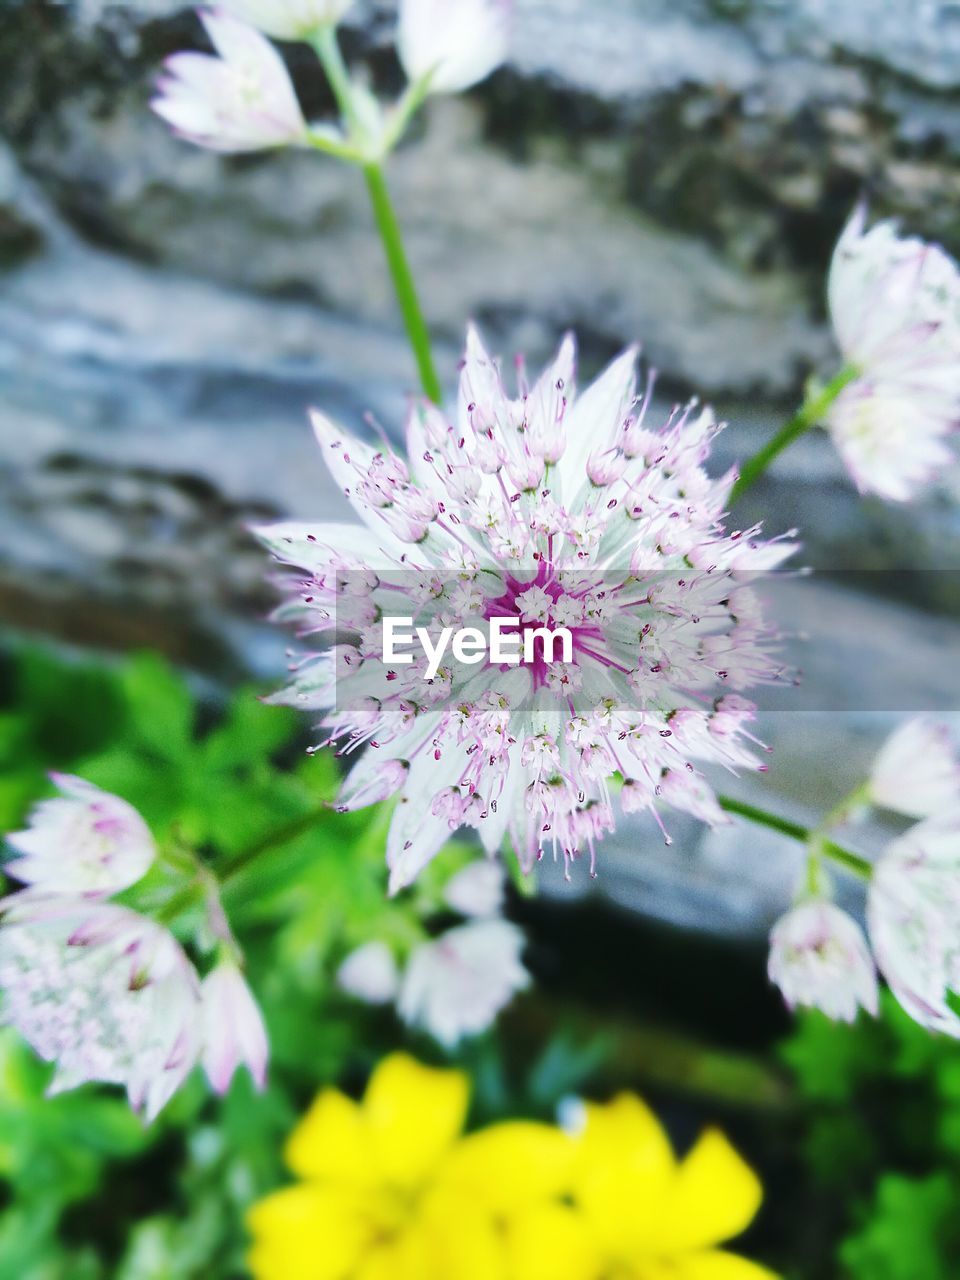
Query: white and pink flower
<point x="895" y="307"/>
<point x="914" y="920"/>
<point x="917" y="771"/>
<point x="289" y="19"/>
<point x="240" y="100"/>
<point x="457" y="984"/>
<point x="233" y="1031"/>
<point x="370" y="973"/>
<point x="478" y="890"/>
<point x="453" y="44"/>
<point x="819" y="958"/>
<point x="85" y="841"/>
<point x="667" y="629"/>
<point x="104" y="993"/>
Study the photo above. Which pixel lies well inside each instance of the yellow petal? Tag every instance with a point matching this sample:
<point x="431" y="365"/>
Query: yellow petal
<point x="626" y="1133"/>
<point x="413" y="1115"/>
<point x="716" y="1196"/>
<point x="624" y="1175"/>
<point x="550" y="1242"/>
<point x="459" y="1239"/>
<point x="330" y="1141"/>
<point x="512" y="1164"/>
<point x="307" y="1232"/>
<point x="714" y="1264"/>
<point x="384" y="1262"/>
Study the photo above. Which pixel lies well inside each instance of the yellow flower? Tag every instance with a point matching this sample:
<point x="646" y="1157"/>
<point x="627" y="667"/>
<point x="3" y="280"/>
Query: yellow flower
<point x="635" y="1212"/>
<point x="391" y="1191"/>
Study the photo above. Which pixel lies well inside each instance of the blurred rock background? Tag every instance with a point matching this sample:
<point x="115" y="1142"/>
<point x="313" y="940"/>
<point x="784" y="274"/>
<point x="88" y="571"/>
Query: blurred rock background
<point x="674" y="171"/>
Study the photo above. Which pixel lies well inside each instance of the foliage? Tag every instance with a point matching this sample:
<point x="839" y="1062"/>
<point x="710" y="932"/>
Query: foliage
<point x="87" y="1191"/>
<point x="881" y="1142"/>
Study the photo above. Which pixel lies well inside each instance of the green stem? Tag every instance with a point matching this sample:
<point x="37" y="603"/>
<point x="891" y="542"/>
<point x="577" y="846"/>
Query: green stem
<point x="808" y="415"/>
<point x="403" y="283"/>
<point x="183" y="900"/>
<point x="845" y="857"/>
<point x="273" y="840"/>
<point x="328" y="51"/>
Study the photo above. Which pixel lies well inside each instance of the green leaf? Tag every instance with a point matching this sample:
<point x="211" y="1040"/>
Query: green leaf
<point x="75" y="708"/>
<point x="910" y="1233"/>
<point x="159" y="706"/>
<point x="830" y="1060"/>
<point x="250" y="732"/>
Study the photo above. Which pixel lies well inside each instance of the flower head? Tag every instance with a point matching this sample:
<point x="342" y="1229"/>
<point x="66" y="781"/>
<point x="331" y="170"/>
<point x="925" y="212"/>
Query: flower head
<point x="547" y="502"/>
<point x="477" y="890"/>
<point x="241" y="100"/>
<point x="820" y="958"/>
<point x="456" y="43"/>
<point x="636" y="1211"/>
<point x="289" y="19"/>
<point x="917" y="771"/>
<point x="233" y="1030"/>
<point x="390" y="1188"/>
<point x="456" y="985"/>
<point x="895" y="306"/>
<point x="913" y="913"/>
<point x="104" y="993"/>
<point x="85" y="841"/>
<point x="370" y="973"/>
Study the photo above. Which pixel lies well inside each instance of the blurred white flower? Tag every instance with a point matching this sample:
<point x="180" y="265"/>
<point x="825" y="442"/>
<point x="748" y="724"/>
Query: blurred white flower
<point x="370" y="974"/>
<point x="233" y="1030"/>
<point x="85" y="841"/>
<point x="241" y="100"/>
<point x="289" y="19"/>
<point x="917" y="771"/>
<point x="104" y="993"/>
<point x="456" y="985"/>
<point x="477" y="890"/>
<point x="819" y="957"/>
<point x="457" y="43"/>
<point x="895" y="307"/>
<point x="913" y="911"/>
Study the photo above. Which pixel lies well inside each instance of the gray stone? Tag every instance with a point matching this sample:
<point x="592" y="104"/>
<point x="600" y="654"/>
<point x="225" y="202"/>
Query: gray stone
<point x="675" y="171"/>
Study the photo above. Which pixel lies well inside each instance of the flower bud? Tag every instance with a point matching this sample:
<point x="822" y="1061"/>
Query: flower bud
<point x="370" y="974"/>
<point x="913" y="911"/>
<point x="477" y="890"/>
<point x="819" y="957"/>
<point x="455" y="986"/>
<point x="456" y="43"/>
<point x="917" y="771"/>
<point x="895" y="307"/>
<point x="289" y="19"/>
<point x="86" y="841"/>
<point x="241" y="100"/>
<point x="233" y="1030"/>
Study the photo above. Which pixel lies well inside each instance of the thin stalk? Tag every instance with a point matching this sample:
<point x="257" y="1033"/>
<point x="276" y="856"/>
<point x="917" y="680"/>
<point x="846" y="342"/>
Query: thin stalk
<point x="796" y="831"/>
<point x="808" y="415"/>
<point x="273" y="840"/>
<point x="403" y="282"/>
<point x="328" y="51"/>
<point x="183" y="900"/>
